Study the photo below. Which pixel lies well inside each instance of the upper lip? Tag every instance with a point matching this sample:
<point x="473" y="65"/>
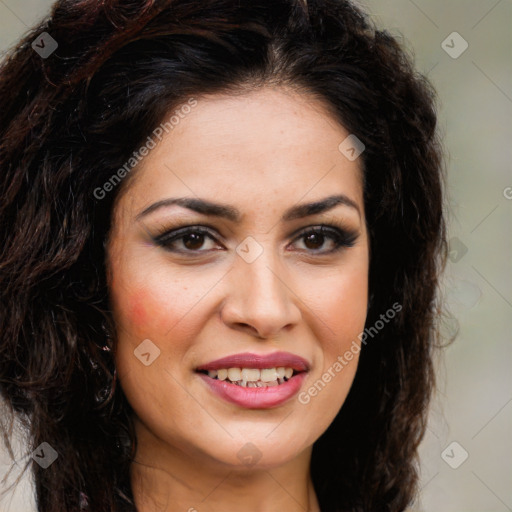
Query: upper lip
<point x="251" y="360"/>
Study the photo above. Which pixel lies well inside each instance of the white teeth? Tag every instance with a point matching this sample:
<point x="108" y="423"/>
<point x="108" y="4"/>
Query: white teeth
<point x="269" y="374"/>
<point x="234" y="374"/>
<point x="250" y="374"/>
<point x="281" y="372"/>
<point x="253" y="377"/>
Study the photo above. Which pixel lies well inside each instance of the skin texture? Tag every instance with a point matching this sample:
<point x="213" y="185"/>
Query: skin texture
<point x="261" y="152"/>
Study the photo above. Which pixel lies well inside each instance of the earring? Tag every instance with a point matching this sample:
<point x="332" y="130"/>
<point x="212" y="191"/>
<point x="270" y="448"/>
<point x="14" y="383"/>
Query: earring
<point x="108" y="335"/>
<point x="84" y="502"/>
<point x="104" y="395"/>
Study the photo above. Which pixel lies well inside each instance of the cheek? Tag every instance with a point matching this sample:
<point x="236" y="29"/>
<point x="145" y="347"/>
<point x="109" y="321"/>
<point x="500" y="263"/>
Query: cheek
<point x="154" y="306"/>
<point x="343" y="306"/>
<point x="143" y="301"/>
<point x="341" y="309"/>
<point x="137" y="307"/>
<point x="134" y="308"/>
<point x="144" y="313"/>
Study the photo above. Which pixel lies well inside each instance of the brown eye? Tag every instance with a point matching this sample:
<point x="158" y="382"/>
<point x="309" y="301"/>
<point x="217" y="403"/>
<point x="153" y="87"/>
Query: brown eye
<point x="191" y="239"/>
<point x="315" y="238"/>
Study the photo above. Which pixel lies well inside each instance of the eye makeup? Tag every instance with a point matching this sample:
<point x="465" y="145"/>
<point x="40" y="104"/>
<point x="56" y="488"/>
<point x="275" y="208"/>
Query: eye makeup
<point x="190" y="236"/>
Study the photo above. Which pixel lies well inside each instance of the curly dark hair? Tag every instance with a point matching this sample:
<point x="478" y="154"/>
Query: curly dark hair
<point x="68" y="121"/>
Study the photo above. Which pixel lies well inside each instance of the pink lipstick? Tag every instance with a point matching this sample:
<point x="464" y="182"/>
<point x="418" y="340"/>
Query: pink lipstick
<point x="255" y="381"/>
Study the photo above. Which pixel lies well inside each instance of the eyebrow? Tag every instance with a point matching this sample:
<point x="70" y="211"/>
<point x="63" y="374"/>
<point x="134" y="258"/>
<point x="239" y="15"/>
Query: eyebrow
<point x="231" y="213"/>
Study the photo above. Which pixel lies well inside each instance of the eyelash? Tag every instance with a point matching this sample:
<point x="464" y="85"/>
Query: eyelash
<point x="341" y="237"/>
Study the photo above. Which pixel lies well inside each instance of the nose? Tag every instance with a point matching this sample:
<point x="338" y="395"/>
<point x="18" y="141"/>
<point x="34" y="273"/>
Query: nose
<point x="260" y="300"/>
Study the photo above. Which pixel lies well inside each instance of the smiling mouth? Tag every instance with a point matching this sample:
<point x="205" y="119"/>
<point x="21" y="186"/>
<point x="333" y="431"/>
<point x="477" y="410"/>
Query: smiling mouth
<point x="252" y="377"/>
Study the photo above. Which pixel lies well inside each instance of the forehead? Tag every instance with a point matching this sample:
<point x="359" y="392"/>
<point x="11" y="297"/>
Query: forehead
<point x="266" y="147"/>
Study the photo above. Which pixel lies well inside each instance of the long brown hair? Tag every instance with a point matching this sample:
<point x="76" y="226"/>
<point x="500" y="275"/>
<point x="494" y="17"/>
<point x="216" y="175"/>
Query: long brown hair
<point x="71" y="119"/>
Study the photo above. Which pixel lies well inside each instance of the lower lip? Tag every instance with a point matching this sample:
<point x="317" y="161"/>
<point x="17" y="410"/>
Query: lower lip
<point x="255" y="398"/>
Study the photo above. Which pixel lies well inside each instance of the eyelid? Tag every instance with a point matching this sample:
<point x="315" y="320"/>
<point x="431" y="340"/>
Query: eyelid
<point x="184" y="229"/>
<point x="333" y="230"/>
<point x="342" y="236"/>
<point x="333" y="225"/>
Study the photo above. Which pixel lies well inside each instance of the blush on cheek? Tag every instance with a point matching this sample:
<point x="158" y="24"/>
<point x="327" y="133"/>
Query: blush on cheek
<point x="137" y="308"/>
<point x="144" y="315"/>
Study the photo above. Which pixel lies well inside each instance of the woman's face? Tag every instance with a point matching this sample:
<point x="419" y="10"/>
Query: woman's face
<point x="250" y="281"/>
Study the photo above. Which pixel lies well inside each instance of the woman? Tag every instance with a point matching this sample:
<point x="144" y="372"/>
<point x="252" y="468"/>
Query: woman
<point x="222" y="234"/>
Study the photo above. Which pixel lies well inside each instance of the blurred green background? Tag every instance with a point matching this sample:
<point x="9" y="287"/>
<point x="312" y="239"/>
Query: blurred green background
<point x="465" y="48"/>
